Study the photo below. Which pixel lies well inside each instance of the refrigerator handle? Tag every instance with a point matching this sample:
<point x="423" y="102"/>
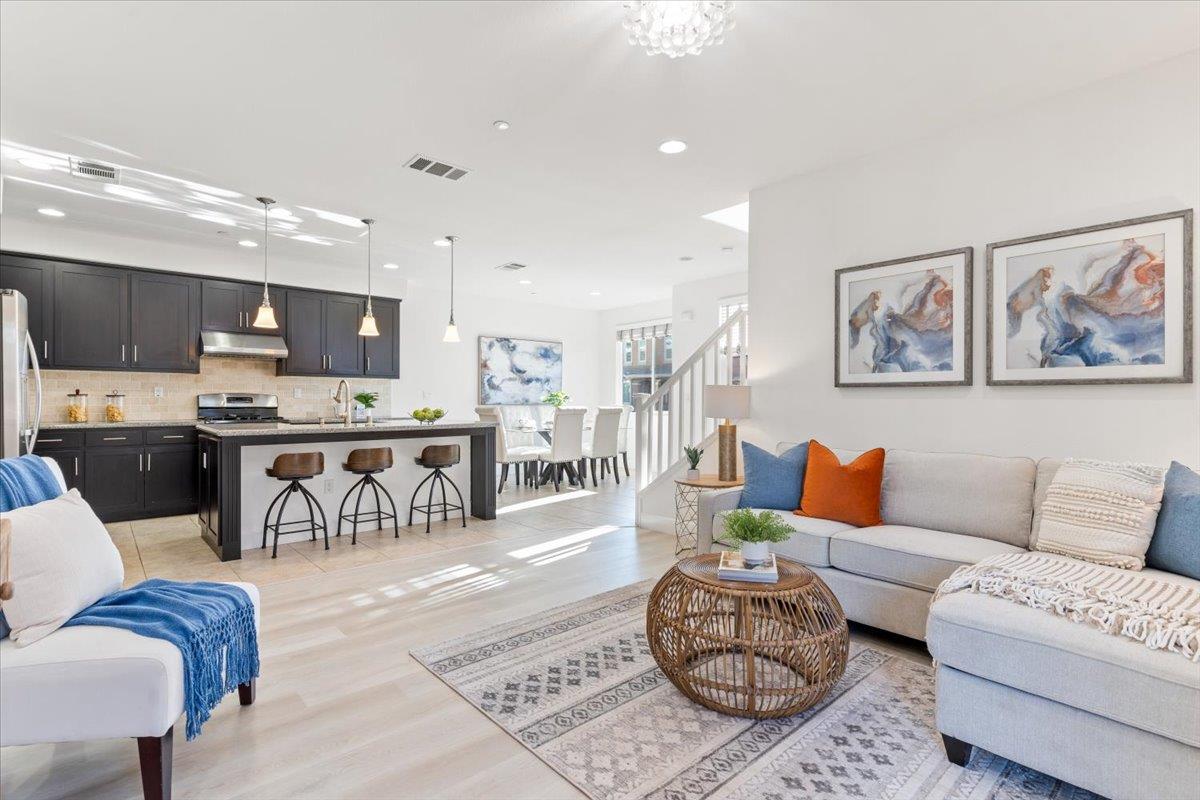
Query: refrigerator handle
<point x="32" y="434"/>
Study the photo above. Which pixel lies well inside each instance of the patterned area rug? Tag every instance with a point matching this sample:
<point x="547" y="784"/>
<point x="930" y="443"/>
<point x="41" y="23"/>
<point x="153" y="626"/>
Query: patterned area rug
<point x="577" y="686"/>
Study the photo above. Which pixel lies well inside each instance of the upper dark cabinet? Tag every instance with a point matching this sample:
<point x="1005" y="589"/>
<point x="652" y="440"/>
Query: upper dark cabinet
<point x="306" y="334"/>
<point x="343" y="345"/>
<point x="165" y="317"/>
<point x="91" y="317"/>
<point x="231" y="306"/>
<point x="383" y="351"/>
<point x="33" y="278"/>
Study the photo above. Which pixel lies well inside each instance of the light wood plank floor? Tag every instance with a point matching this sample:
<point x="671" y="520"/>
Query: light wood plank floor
<point x="342" y="710"/>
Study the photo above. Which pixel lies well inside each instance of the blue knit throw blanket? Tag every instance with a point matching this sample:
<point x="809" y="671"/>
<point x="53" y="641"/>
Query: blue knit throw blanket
<point x="212" y="624"/>
<point x="25" y="481"/>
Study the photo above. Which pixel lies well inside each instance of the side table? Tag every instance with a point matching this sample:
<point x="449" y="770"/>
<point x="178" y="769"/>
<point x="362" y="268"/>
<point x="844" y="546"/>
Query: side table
<point x="687" y="498"/>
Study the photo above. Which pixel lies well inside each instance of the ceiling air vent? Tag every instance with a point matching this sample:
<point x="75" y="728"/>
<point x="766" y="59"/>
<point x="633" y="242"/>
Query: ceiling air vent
<point x="436" y="168"/>
<point x="511" y="266"/>
<point x="94" y="170"/>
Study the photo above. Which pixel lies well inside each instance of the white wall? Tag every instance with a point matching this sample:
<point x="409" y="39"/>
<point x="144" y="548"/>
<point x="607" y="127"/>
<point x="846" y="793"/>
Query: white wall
<point x="701" y="301"/>
<point x="1122" y="148"/>
<point x="431" y="372"/>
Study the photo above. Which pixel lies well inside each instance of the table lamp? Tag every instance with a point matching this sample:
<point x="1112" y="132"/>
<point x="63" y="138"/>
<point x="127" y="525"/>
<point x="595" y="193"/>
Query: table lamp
<point x="729" y="403"/>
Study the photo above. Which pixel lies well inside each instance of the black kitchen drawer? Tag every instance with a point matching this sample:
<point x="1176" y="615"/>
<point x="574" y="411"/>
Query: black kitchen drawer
<point x="170" y="435"/>
<point x="59" y="439"/>
<point x="115" y="437"/>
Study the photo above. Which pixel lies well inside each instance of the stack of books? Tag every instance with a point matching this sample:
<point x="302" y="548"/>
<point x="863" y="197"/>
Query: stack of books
<point x="733" y="568"/>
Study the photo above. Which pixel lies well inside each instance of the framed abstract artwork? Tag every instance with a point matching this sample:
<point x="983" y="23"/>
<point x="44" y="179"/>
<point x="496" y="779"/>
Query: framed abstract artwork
<point x="905" y="322"/>
<point x="1104" y="304"/>
<point x="518" y="371"/>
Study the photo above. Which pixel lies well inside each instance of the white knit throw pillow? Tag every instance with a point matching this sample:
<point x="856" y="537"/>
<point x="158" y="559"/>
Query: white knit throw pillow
<point x="1101" y="511"/>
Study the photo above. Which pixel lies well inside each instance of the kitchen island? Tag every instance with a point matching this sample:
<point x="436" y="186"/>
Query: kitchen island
<point x="235" y="491"/>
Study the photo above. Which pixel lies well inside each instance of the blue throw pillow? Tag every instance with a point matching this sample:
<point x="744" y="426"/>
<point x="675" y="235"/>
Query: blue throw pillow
<point x="772" y="481"/>
<point x="1175" y="546"/>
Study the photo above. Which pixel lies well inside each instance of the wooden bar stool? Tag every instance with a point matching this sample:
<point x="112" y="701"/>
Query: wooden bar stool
<point x="368" y="462"/>
<point x="293" y="468"/>
<point x="437" y="457"/>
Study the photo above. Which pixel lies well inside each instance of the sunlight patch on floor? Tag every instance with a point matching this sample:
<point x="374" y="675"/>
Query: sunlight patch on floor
<point x="525" y="505"/>
<point x="562" y="541"/>
<point x="443" y="576"/>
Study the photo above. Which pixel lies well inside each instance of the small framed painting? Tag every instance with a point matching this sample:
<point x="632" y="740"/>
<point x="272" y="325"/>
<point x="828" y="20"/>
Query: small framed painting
<point x="905" y="322"/>
<point x="518" y="371"/>
<point x="1104" y="304"/>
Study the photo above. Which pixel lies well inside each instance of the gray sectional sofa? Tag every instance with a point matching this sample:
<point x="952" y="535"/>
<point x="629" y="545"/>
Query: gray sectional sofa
<point x="1099" y="711"/>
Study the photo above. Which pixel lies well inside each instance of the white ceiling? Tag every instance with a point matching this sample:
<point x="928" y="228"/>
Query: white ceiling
<point x="320" y="104"/>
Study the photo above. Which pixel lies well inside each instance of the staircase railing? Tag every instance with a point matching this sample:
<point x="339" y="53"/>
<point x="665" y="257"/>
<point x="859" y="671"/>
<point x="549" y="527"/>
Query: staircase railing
<point x="672" y="417"/>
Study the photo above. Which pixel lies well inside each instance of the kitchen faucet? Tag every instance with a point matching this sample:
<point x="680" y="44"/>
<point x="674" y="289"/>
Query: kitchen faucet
<point x="347" y="415"/>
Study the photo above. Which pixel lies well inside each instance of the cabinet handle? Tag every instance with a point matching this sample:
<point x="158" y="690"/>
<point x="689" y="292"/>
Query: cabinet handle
<point x="368" y="363"/>
<point x="45" y="349"/>
<point x="139" y="462"/>
<point x="173" y="436"/>
<point x="241" y="319"/>
<point x="148" y="456"/>
<point x="76" y="466"/>
<point x="122" y="354"/>
<point x="44" y="440"/>
<point x="331" y="361"/>
<point x="114" y="438"/>
<point x="204" y="460"/>
<point x="135" y="354"/>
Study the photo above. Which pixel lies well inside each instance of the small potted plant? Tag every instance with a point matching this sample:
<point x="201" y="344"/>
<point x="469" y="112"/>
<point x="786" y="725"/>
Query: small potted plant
<point x="693" y="456"/>
<point x="754" y="532"/>
<point x="427" y="415"/>
<point x="367" y="400"/>
<point x="556" y="399"/>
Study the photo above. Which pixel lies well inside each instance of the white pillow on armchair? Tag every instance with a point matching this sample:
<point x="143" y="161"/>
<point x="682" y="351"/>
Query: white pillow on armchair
<point x="61" y="560"/>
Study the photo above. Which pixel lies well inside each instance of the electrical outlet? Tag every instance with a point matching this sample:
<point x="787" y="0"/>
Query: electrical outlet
<point x="329" y="486"/>
<point x="158" y="391"/>
<point x="297" y="393"/>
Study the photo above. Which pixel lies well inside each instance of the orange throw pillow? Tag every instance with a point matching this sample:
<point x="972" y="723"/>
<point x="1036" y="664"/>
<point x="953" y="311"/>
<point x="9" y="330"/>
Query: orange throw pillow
<point x="847" y="493"/>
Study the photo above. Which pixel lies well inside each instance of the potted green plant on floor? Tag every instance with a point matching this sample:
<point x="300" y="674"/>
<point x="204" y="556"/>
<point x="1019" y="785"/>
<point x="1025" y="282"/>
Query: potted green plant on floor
<point x="693" y="456"/>
<point x="754" y="533"/>
<point x="367" y="400"/>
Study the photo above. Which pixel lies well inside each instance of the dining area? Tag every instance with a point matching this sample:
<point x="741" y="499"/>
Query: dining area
<point x="538" y="445"/>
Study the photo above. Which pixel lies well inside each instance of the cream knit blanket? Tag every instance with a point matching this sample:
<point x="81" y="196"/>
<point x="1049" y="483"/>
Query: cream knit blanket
<point x="1161" y="615"/>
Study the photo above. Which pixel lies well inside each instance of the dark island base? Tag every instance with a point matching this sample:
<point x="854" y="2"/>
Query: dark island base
<point x="221" y="473"/>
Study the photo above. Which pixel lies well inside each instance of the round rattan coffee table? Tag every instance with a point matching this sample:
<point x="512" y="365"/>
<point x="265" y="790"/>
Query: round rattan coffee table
<point x="749" y="649"/>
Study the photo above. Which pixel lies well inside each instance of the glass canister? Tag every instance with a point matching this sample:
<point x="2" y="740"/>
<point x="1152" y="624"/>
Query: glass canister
<point x="114" y="407"/>
<point x="77" y="407"/>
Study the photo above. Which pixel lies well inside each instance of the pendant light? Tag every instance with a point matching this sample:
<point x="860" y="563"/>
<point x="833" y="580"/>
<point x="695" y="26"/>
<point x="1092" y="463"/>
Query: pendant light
<point x="265" y="318"/>
<point x="368" y="327"/>
<point x="451" y="329"/>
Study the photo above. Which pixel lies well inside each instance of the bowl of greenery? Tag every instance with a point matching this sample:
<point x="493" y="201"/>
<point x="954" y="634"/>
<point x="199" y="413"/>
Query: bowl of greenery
<point x="427" y="415"/>
<point x="754" y="532"/>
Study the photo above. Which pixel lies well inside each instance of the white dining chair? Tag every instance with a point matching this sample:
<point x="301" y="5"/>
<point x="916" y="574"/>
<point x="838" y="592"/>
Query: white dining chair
<point x="515" y="454"/>
<point x="623" y="435"/>
<point x="605" y="444"/>
<point x="566" y="447"/>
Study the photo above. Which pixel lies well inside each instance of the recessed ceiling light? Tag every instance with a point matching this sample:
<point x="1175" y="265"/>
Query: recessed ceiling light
<point x="35" y="163"/>
<point x="442" y="242"/>
<point x="247" y="242"/>
<point x="685" y="258"/>
<point x="51" y="212"/>
<point x="594" y="294"/>
<point x="525" y="283"/>
<point x="500" y="125"/>
<point x="672" y="146"/>
<point x="390" y="265"/>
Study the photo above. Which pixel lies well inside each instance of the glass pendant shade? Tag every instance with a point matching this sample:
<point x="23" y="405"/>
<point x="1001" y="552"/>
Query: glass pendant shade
<point x="451" y="333"/>
<point x="368" y="327"/>
<point x="265" y="318"/>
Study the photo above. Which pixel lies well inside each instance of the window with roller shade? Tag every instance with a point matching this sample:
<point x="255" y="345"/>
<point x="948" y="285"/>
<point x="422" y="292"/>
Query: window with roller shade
<point x="645" y="358"/>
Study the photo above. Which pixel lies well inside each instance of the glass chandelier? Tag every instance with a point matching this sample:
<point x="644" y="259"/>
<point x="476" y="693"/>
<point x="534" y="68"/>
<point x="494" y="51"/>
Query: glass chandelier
<point x="677" y="28"/>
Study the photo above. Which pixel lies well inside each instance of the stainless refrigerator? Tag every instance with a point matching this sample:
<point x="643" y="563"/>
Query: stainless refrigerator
<point x="18" y="368"/>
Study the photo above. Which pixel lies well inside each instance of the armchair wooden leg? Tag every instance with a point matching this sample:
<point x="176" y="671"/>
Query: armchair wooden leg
<point x="246" y="692"/>
<point x="957" y="751"/>
<point x="154" y="753"/>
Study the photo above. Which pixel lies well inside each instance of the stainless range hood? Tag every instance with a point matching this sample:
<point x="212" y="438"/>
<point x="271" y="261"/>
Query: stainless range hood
<point x="242" y="345"/>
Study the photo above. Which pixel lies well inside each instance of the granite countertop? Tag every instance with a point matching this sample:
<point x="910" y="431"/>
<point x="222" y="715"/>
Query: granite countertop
<point x="132" y="423"/>
<point x="283" y="429"/>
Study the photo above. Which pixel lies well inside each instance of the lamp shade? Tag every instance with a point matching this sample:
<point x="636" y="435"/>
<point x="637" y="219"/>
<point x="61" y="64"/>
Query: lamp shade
<point x="729" y="402"/>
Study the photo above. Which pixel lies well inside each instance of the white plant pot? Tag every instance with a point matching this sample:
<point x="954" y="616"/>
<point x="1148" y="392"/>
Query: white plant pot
<point x="693" y="474"/>
<point x="755" y="552"/>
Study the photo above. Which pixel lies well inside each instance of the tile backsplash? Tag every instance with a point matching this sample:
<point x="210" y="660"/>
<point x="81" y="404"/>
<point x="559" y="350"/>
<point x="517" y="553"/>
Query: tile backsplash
<point x="180" y="389"/>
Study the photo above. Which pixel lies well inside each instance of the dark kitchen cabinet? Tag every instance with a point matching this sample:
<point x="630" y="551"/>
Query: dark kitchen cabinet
<point x="165" y="318"/>
<point x="343" y="345"/>
<point x="231" y="306"/>
<point x="306" y="334"/>
<point x="71" y="464"/>
<point x="33" y="278"/>
<point x="115" y="486"/>
<point x="171" y="479"/>
<point x="207" y="494"/>
<point x="91" y="317"/>
<point x="383" y="351"/>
